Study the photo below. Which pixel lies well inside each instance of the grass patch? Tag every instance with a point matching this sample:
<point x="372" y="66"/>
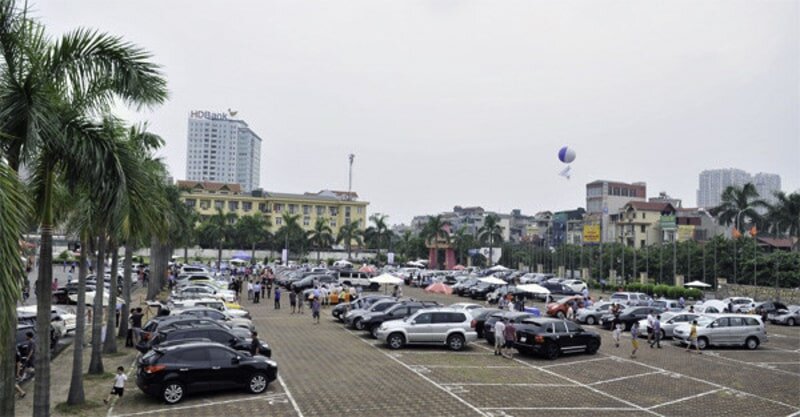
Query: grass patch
<point x="95" y="377"/>
<point x="85" y="409"/>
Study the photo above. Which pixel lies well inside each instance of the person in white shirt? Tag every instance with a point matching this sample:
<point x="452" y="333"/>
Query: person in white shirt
<point x="499" y="337"/>
<point x="119" y="385"/>
<point x="650" y="320"/>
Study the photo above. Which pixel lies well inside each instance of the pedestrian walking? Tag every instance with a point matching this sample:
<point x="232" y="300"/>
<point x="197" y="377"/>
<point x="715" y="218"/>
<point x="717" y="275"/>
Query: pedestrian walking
<point x="656" y="332"/>
<point x="249" y="290"/>
<point x="269" y="288"/>
<point x="136" y="325"/>
<point x="634" y="338"/>
<point x="277" y="298"/>
<point x="509" y="334"/>
<point x="315" y="310"/>
<point x="693" y="338"/>
<point x="681" y="302"/>
<point x="256" y="293"/>
<point x="27" y="352"/>
<point x="300" y="302"/>
<point x="499" y="336"/>
<point x="119" y="385"/>
<point x="293" y="301"/>
<point x="254" y="343"/>
<point x="263" y="286"/>
<point x="617" y="325"/>
<point x="650" y="319"/>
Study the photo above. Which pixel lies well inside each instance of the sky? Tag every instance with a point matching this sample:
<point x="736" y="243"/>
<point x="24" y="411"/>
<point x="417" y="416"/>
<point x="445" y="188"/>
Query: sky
<point x="448" y="102"/>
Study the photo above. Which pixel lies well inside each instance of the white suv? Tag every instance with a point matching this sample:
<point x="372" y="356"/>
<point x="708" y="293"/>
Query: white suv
<point x="440" y="326"/>
<point x="725" y="330"/>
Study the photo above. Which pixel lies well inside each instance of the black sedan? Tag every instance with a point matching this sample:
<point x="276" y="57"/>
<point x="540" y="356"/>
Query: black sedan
<point x="628" y="316"/>
<point x="514" y="317"/>
<point x="553" y="337"/>
<point x="171" y="372"/>
<point x="479" y="316"/>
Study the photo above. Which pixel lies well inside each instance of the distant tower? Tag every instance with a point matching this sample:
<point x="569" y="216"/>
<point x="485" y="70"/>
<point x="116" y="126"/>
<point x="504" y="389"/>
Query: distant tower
<point x="351" y="157"/>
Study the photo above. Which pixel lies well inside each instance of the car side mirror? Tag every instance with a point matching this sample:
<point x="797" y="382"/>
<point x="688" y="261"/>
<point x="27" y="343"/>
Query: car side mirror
<point x="236" y="360"/>
<point x="413" y="322"/>
<point x="713" y="325"/>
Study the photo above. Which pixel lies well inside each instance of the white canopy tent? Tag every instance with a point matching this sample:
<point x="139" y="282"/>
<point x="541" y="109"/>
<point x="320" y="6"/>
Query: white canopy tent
<point x="697" y="284"/>
<point x="533" y="288"/>
<point x="493" y="280"/>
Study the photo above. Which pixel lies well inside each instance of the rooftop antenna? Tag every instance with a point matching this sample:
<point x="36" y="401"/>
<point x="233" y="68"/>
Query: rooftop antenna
<point x="351" y="157"/>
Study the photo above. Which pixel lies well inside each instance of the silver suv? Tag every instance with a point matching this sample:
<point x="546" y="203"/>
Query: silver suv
<point x="631" y="298"/>
<point x="442" y="326"/>
<point x="725" y="330"/>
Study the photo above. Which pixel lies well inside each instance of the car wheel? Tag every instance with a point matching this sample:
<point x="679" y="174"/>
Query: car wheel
<point x="373" y="331"/>
<point x="173" y="392"/>
<point x="258" y="383"/>
<point x="396" y="341"/>
<point x="591" y="320"/>
<point x="358" y="324"/>
<point x="551" y="351"/>
<point x="560" y="314"/>
<point x="751" y="343"/>
<point x="790" y="322"/>
<point x="702" y="343"/>
<point x="455" y="342"/>
<point x="592" y="347"/>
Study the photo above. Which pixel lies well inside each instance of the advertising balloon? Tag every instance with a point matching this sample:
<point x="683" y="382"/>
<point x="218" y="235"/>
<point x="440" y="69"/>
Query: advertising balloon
<point x="566" y="155"/>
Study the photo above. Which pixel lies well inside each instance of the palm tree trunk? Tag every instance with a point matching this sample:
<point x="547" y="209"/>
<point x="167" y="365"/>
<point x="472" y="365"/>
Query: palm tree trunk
<point x="253" y="254"/>
<point x="41" y="384"/>
<point x="7" y="371"/>
<point x="219" y="257"/>
<point x="318" y="254"/>
<point x="76" y="394"/>
<point x="110" y="344"/>
<point x="96" y="361"/>
<point x="186" y="254"/>
<point x="127" y="265"/>
<point x="153" y="286"/>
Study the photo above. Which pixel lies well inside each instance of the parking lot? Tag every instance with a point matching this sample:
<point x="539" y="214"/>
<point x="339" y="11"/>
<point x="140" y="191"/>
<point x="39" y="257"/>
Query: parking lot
<point x="326" y="370"/>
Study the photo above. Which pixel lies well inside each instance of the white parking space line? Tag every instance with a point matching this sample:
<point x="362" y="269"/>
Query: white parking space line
<point x="419" y="374"/>
<point x="291" y="398"/>
<point x="719" y="355"/>
<point x="165" y="411"/>
<point x="622" y="378"/>
<point x="562" y="408"/>
<point x="470" y="366"/>
<point x="445" y="353"/>
<point x="504" y="384"/>
<point x="691" y="397"/>
<point x="575" y="362"/>
<point x="605" y="394"/>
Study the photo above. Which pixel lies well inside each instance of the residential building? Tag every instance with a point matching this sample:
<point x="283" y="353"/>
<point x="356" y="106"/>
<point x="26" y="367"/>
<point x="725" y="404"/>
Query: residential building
<point x="222" y="150"/>
<point x="712" y="183"/>
<point x="698" y="224"/>
<point x="665" y="198"/>
<point x="514" y="225"/>
<point x="604" y="198"/>
<point x="337" y="207"/>
<point x="637" y="224"/>
<point x="567" y="227"/>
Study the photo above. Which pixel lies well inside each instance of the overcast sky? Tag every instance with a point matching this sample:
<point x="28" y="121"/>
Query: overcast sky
<point x="450" y="102"/>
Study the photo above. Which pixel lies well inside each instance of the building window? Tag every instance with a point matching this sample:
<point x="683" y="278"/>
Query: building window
<point x="278" y="221"/>
<point x="233" y="205"/>
<point x="306" y="221"/>
<point x="278" y="207"/>
<point x="641" y="243"/>
<point x="333" y="211"/>
<point x="306" y="210"/>
<point x="190" y="202"/>
<point x="320" y="210"/>
<point x="247" y="206"/>
<point x="333" y="222"/>
<point x="205" y="204"/>
<point x="219" y="204"/>
<point x="643" y="229"/>
<point x="360" y="210"/>
<point x="292" y="208"/>
<point x="347" y="211"/>
<point x="644" y="215"/>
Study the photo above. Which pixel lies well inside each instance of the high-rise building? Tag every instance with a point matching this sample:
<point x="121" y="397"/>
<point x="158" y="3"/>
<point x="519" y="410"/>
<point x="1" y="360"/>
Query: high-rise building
<point x="712" y="183"/>
<point x="224" y="150"/>
<point x="604" y="198"/>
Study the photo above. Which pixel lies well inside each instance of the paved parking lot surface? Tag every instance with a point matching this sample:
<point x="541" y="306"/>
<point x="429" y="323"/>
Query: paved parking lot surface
<point x="327" y="370"/>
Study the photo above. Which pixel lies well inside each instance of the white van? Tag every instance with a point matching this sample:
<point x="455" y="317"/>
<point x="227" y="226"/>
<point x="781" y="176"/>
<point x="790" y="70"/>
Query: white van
<point x="354" y="278"/>
<point x="189" y="269"/>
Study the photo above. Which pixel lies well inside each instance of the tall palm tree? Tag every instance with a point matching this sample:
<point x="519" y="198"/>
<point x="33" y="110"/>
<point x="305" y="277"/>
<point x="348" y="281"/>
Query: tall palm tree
<point x="13" y="207"/>
<point x="462" y="240"/>
<point x="435" y="230"/>
<point x="349" y="232"/>
<point x="321" y="236"/>
<point x="219" y="229"/>
<point x="252" y="230"/>
<point x="490" y="233"/>
<point x="738" y="204"/>
<point x="46" y="90"/>
<point x="784" y="215"/>
<point x="380" y="230"/>
<point x="406" y="239"/>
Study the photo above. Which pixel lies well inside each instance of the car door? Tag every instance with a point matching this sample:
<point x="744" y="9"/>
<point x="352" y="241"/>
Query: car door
<point x="224" y="372"/>
<point x="570" y="335"/>
<point x="718" y="332"/>
<point x="419" y="329"/>
<point x="736" y="331"/>
<point x="194" y="369"/>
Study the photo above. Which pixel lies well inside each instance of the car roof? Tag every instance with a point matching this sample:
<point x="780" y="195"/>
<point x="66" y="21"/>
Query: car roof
<point x="187" y="327"/>
<point x="194" y="344"/>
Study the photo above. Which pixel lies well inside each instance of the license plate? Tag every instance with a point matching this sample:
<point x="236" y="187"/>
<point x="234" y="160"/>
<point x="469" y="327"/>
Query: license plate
<point x="522" y="339"/>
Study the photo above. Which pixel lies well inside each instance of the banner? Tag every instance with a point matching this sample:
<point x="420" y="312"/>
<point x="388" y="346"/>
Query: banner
<point x="667" y="223"/>
<point x="284" y="257"/>
<point x="591" y="233"/>
<point x="496" y="254"/>
<point x="390" y="258"/>
<point x="685" y="233"/>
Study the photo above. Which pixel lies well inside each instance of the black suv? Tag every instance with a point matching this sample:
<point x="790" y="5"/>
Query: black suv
<point x="169" y="322"/>
<point x="514" y="317"/>
<point x="221" y="336"/>
<point x="480" y="291"/>
<point x="628" y="316"/>
<point x="171" y="372"/>
<point x="309" y="281"/>
<point x="403" y="309"/>
<point x="479" y="316"/>
<point x="552" y="337"/>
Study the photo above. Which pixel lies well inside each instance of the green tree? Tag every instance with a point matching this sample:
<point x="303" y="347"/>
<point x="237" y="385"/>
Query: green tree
<point x="321" y="236"/>
<point x="380" y="230"/>
<point x="291" y="235"/>
<point x="784" y="215"/>
<point x="738" y="204"/>
<point x="491" y="233"/>
<point x="349" y="232"/>
<point x="252" y="230"/>
<point x="462" y="241"/>
<point x="219" y="228"/>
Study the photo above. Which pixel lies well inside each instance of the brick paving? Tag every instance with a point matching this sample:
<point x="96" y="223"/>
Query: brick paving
<point x="329" y="371"/>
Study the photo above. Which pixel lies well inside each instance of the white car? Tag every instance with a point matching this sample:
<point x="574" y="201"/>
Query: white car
<point x="438" y="326"/>
<point x="740" y="304"/>
<point x="465" y="306"/>
<point x="200" y="291"/>
<point x="58" y="321"/>
<point x="725" y="329"/>
<point x="669" y="321"/>
<point x="214" y="303"/>
<point x="710" y="307"/>
<point x="575" y="284"/>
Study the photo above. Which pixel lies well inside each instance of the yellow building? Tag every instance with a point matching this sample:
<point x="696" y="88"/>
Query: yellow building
<point x="337" y="207"/>
<point x="637" y="223"/>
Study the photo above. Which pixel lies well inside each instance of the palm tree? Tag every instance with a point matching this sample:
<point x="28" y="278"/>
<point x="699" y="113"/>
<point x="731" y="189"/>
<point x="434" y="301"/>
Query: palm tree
<point x="46" y="91"/>
<point x="321" y="236"/>
<point x="291" y="233"/>
<point x="406" y="240"/>
<point x="13" y="207"/>
<point x="349" y="232"/>
<point x="462" y="241"/>
<point x="252" y="230"/>
<point x="737" y="202"/>
<point x="784" y="215"/>
<point x="380" y="229"/>
<point x="435" y="230"/>
<point x="219" y="229"/>
<point x="491" y="232"/>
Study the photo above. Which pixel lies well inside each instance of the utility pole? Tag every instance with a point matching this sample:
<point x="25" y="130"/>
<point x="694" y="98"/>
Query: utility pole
<point x="350" y="157"/>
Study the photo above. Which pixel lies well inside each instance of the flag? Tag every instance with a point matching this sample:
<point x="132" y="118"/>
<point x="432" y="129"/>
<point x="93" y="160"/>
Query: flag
<point x="736" y="233"/>
<point x="753" y="231"/>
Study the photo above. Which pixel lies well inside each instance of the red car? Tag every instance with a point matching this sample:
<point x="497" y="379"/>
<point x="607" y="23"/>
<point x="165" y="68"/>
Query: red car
<point x="559" y="308"/>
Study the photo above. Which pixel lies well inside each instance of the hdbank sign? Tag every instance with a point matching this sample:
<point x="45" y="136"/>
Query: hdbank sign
<point x="202" y="114"/>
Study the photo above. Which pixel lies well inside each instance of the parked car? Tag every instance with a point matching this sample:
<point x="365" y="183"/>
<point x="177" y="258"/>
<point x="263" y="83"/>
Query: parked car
<point x="479" y="291"/>
<point x="560" y="307"/>
<point x="170" y="373"/>
<point x="488" y="325"/>
<point x="341" y="309"/>
<point x="534" y="278"/>
<point x="592" y="315"/>
<point x="353" y="317"/>
<point x="151" y="328"/>
<point x="789" y="316"/>
<point x="221" y="336"/>
<point x="575" y="284"/>
<point x="740" y="304"/>
<point x="557" y="289"/>
<point x="725" y="330"/>
<point x="312" y="280"/>
<point x="466" y="306"/>
<point x="462" y="288"/>
<point x="214" y="303"/>
<point x="768" y="307"/>
<point x="628" y="316"/>
<point x="214" y="314"/>
<point x="669" y="321"/>
<point x="443" y="326"/>
<point x="57" y="327"/>
<point x="631" y="298"/>
<point x="62" y="320"/>
<point x="356" y="278"/>
<point x="198" y="291"/>
<point x="667" y="305"/>
<point x="552" y="337"/>
<point x="372" y="321"/>
<point x="710" y="307"/>
<point x="479" y="316"/>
